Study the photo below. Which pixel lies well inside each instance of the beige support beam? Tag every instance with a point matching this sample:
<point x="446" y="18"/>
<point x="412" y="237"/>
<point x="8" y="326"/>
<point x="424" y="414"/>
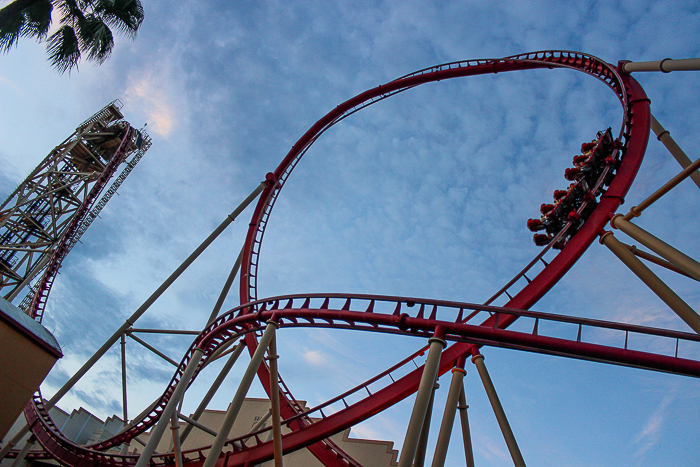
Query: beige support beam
<point x="420" y="406"/>
<point x="170" y="408"/>
<point x="666" y="65"/>
<point x="137" y="314"/>
<point x="238" y="398"/>
<point x="664" y="292"/>
<point x="518" y="460"/>
<point x="275" y="402"/>
<point x="466" y="434"/>
<point x="19" y="460"/>
<point x="635" y="211"/>
<point x="664" y="136"/>
<point x="212" y="389"/>
<point x="661" y="248"/>
<point x="425" y="431"/>
<point x="177" y="447"/>
<point x="656" y="260"/>
<point x="448" y="418"/>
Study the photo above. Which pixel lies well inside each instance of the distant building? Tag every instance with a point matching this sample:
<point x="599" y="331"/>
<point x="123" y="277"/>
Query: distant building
<point x="83" y="427"/>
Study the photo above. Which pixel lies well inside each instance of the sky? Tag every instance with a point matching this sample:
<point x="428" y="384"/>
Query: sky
<point x="425" y="194"/>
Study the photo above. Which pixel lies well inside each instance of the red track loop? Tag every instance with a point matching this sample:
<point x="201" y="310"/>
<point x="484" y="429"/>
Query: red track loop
<point x="633" y="138"/>
<point x="246" y="319"/>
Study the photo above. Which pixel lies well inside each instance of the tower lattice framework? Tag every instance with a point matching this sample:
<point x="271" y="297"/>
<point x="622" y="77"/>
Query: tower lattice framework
<point x="49" y="211"/>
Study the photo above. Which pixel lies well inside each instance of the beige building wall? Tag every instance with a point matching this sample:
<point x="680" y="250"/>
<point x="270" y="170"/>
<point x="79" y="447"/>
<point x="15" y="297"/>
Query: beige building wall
<point x="369" y="453"/>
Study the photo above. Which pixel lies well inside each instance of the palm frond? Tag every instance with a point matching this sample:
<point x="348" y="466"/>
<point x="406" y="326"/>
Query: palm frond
<point x="25" y="19"/>
<point x="125" y="16"/>
<point x="38" y="19"/>
<point x="64" y="49"/>
<point x="95" y="38"/>
<point x="10" y="31"/>
<point x="71" y="11"/>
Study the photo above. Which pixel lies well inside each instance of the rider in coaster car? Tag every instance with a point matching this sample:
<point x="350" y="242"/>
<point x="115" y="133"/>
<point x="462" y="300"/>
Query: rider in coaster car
<point x="535" y="225"/>
<point x="573" y="174"/>
<point x="541" y="239"/>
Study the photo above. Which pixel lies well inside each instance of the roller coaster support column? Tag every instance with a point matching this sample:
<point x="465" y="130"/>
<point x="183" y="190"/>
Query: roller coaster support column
<point x="666" y="65"/>
<point x="691" y="170"/>
<point x="212" y="389"/>
<point x="663" y="135"/>
<point x="170" y="409"/>
<point x="661" y="248"/>
<point x="125" y="410"/>
<point x="664" y="292"/>
<point x="448" y="417"/>
<point x="237" y="401"/>
<point x="23" y="453"/>
<point x="275" y="402"/>
<point x="518" y="460"/>
<point x="425" y="431"/>
<point x="420" y="406"/>
<point x="137" y="314"/>
<point x="177" y="445"/>
<point x="466" y="435"/>
<point x="227" y="287"/>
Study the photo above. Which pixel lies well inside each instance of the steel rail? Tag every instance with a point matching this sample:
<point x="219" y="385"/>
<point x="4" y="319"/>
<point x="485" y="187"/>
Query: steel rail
<point x="239" y="322"/>
<point x="631" y="142"/>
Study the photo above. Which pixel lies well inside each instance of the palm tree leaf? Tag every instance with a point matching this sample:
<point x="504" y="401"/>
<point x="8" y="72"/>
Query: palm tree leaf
<point x="26" y="19"/>
<point x="125" y="16"/>
<point x="38" y="19"/>
<point x="95" y="38"/>
<point x="64" y="49"/>
<point x="71" y="11"/>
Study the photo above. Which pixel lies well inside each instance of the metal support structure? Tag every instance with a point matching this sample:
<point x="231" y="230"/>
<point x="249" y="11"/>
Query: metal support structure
<point x="227" y="287"/>
<point x="466" y="434"/>
<point x="170" y="409"/>
<point x="663" y="135"/>
<point x="275" y="402"/>
<point x="689" y="171"/>
<point x="125" y="410"/>
<point x="177" y="446"/>
<point x="656" y="260"/>
<point x="212" y="391"/>
<point x="194" y="423"/>
<point x="38" y="214"/>
<point x="420" y="406"/>
<point x="664" y="292"/>
<point x="153" y="349"/>
<point x="259" y="424"/>
<point x="23" y="453"/>
<point x="138" y="313"/>
<point x="661" y="248"/>
<point x="237" y="401"/>
<point x="448" y="417"/>
<point x="666" y="65"/>
<point x="419" y="461"/>
<point x="518" y="460"/>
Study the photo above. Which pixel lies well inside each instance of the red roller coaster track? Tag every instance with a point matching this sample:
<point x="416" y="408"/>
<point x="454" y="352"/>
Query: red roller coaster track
<point x="399" y="315"/>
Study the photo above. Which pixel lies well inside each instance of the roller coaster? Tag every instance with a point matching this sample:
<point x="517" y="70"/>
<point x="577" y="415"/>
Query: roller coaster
<point x="454" y="331"/>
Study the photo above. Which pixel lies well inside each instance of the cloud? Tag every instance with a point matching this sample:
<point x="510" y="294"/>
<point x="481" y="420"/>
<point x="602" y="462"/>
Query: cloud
<point x="147" y="92"/>
<point x="314" y="357"/>
<point x="651" y="433"/>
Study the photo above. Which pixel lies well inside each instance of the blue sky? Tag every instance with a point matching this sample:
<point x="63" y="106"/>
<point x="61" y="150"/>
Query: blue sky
<point x="425" y="194"/>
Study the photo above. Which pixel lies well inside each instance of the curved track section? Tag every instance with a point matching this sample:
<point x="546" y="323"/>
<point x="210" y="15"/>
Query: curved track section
<point x="630" y="146"/>
<point x="394" y="315"/>
<point x="245" y="320"/>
